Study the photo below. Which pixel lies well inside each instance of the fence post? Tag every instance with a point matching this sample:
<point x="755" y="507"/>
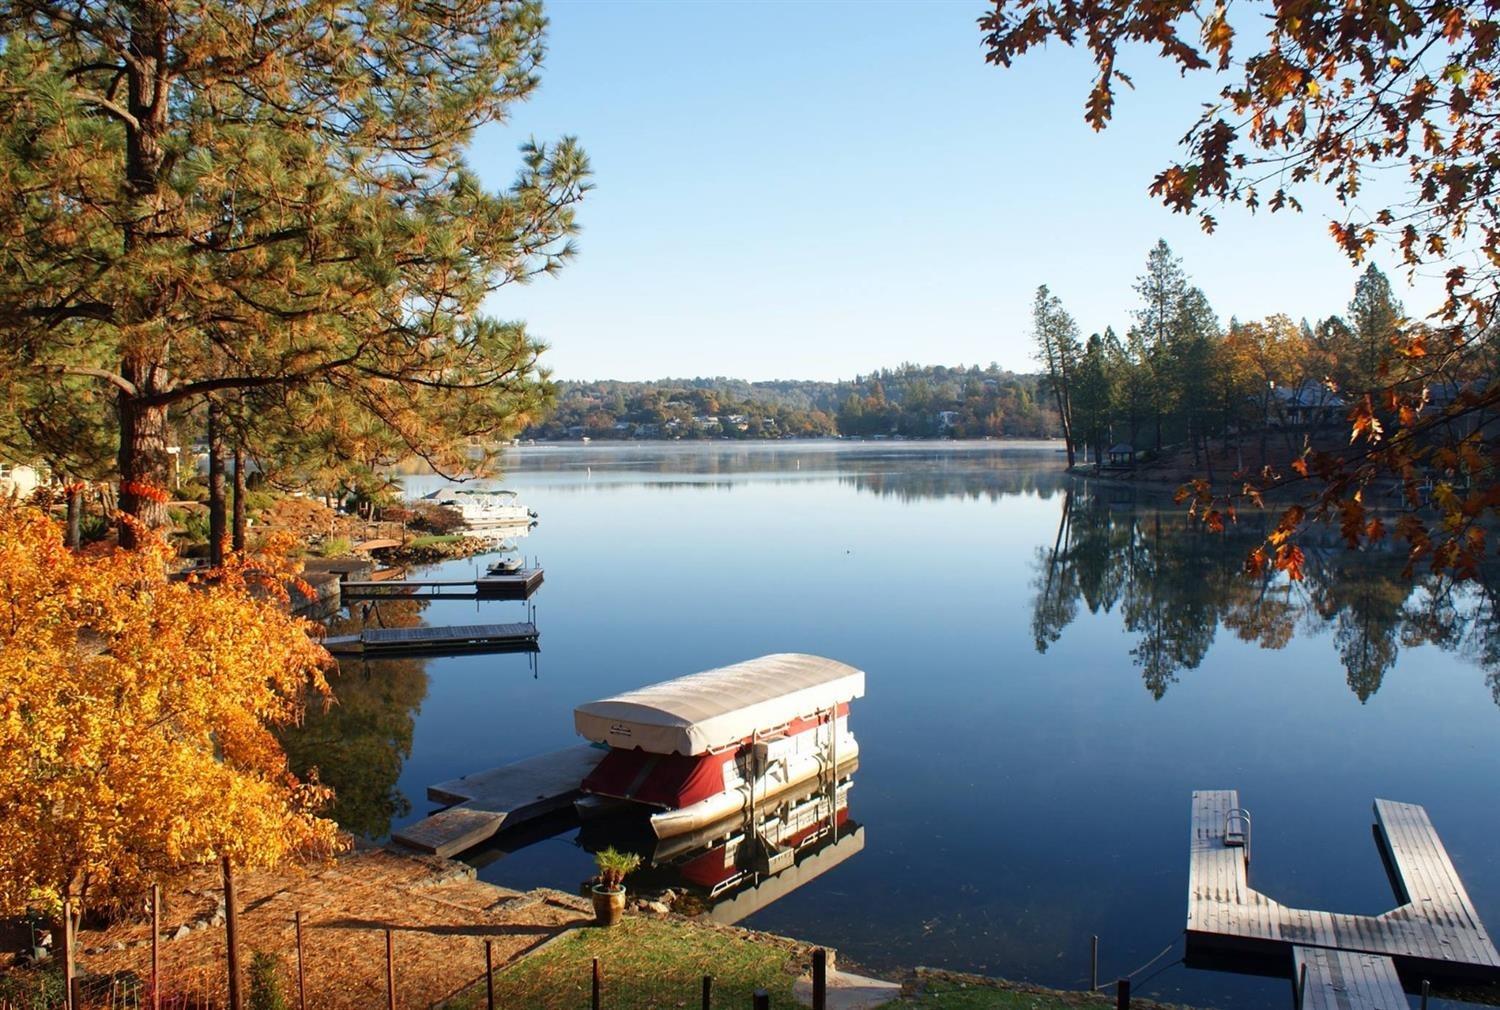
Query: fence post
<point x="594" y="1000"/>
<point x="708" y="991"/>
<point x="1122" y="994"/>
<point x="489" y="974"/>
<point x="301" y="971"/>
<point x="390" y="970"/>
<point x="1094" y="965"/>
<point x="1426" y="990"/>
<point x="155" y="947"/>
<point x="69" y="999"/>
<point x="820" y="979"/>
<point x="232" y="934"/>
<point x="761" y="1000"/>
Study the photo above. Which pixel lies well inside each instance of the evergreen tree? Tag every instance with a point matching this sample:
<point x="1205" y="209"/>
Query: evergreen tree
<point x="203" y="198"/>
<point x="1056" y="336"/>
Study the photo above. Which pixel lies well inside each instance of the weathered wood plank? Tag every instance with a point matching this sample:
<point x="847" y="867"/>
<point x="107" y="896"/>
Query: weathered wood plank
<point x="1346" y="980"/>
<point x="499" y="798"/>
<point x="1438" y="926"/>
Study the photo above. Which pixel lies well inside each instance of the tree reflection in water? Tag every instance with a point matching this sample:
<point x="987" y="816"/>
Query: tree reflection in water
<point x="1175" y="584"/>
<point x="360" y="743"/>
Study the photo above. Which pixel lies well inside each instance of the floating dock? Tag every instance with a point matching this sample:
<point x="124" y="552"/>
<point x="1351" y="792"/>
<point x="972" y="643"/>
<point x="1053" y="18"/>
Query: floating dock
<point x="518" y="637"/>
<point x="503" y="797"/>
<point x="520" y="585"/>
<point x="1350" y="960"/>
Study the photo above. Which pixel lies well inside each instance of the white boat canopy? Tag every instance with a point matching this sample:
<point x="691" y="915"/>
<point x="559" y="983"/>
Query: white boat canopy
<point x="716" y="708"/>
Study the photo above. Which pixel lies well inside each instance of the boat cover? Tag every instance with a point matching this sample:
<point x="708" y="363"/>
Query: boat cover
<point x="717" y="708"/>
<point x="661" y="780"/>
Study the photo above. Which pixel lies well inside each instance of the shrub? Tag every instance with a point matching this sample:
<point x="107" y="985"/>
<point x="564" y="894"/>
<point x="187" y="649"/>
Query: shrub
<point x="436" y="518"/>
<point x="36" y="988"/>
<point x="265" y="982"/>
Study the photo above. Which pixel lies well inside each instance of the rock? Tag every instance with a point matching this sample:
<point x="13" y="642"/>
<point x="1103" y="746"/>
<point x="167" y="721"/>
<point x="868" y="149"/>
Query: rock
<point x="659" y="907"/>
<point x="182" y="931"/>
<point x="117" y="945"/>
<point x="217" y="920"/>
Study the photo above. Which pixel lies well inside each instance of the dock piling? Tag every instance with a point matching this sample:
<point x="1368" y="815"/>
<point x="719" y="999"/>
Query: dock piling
<point x="1122" y="994"/>
<point x="1094" y="964"/>
<point x="1426" y="991"/>
<point x="820" y="979"/>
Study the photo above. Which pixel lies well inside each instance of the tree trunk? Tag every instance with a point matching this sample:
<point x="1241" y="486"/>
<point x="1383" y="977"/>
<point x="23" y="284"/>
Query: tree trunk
<point x="232" y="937"/>
<point x="75" y="514"/>
<point x="215" y="486"/>
<point x="239" y="496"/>
<point x="144" y="469"/>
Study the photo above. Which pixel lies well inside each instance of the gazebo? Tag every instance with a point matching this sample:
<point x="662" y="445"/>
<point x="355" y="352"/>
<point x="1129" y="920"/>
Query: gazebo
<point x="1121" y="454"/>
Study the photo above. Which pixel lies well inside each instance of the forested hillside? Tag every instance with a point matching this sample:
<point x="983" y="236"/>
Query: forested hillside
<point x="911" y="401"/>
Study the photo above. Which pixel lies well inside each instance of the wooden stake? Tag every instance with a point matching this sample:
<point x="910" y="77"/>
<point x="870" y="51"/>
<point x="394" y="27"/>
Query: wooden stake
<point x="1122" y="994"/>
<point x="68" y="996"/>
<point x="232" y="935"/>
<point x="594" y="1001"/>
<point x="708" y="991"/>
<point x="155" y="947"/>
<point x="1094" y="966"/>
<point x="820" y="979"/>
<point x="390" y="971"/>
<point x="301" y="971"/>
<point x="761" y="1000"/>
<point x="489" y="974"/>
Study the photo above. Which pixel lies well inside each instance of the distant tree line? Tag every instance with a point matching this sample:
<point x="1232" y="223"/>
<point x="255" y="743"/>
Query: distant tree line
<point x="910" y="401"/>
<point x="1177" y="377"/>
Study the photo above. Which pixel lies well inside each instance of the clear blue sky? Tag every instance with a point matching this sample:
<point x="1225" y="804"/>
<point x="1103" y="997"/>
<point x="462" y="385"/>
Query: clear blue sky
<point x="810" y="190"/>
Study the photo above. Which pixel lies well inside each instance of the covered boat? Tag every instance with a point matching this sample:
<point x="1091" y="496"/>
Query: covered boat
<point x="712" y="745"/>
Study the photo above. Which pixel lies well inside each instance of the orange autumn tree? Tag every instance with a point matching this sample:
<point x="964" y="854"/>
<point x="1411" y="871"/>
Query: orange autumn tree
<point x="1324" y="96"/>
<point x="136" y="718"/>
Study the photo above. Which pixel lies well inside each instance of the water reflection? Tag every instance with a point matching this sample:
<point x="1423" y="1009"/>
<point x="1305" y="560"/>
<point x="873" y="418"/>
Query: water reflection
<point x="360" y="744"/>
<point x="1175" y="585"/>
<point x="737" y="867"/>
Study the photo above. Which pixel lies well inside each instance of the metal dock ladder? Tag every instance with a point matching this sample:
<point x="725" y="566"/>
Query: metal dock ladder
<point x="1237" y="830"/>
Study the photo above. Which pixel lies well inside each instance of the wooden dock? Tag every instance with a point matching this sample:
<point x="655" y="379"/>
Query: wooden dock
<point x="503" y="797"/>
<point x="1345" y="980"/>
<point x="1434" y="934"/>
<point x="519" y="585"/>
<point x="517" y="637"/>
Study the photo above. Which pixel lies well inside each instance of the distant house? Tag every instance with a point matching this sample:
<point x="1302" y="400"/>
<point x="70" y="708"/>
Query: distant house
<point x="1308" y="404"/>
<point x="947" y="419"/>
<point x="1121" y="454"/>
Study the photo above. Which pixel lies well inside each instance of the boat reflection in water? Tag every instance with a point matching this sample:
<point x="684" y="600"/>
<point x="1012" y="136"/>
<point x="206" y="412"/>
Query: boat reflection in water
<point x="739" y="865"/>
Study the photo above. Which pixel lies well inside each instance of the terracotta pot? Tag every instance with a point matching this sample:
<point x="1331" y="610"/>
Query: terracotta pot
<point x="609" y="905"/>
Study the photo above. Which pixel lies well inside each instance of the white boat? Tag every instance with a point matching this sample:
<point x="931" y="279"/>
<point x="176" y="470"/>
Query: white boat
<point x="711" y="745"/>
<point x="484" y="508"/>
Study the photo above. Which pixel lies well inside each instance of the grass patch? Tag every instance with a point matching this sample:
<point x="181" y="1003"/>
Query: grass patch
<point x="651" y="963"/>
<point x="436" y="538"/>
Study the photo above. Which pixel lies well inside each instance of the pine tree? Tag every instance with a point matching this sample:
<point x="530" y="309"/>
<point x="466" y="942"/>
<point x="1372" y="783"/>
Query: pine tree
<point x="203" y="198"/>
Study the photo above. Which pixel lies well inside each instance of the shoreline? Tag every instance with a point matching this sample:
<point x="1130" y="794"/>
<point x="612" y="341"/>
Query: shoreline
<point x="442" y="917"/>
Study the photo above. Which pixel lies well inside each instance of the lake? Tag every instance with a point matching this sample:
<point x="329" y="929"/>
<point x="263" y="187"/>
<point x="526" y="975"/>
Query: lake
<point x="1053" y="665"/>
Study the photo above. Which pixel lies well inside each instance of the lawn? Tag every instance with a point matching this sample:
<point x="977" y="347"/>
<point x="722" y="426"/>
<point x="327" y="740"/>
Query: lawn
<point x="649" y="963"/>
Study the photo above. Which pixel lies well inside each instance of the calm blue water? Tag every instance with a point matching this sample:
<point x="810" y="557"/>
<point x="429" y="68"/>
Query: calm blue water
<point x="1015" y="801"/>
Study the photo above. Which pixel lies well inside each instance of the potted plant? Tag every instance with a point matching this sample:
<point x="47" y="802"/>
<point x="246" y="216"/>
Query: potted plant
<point x="609" y="888"/>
